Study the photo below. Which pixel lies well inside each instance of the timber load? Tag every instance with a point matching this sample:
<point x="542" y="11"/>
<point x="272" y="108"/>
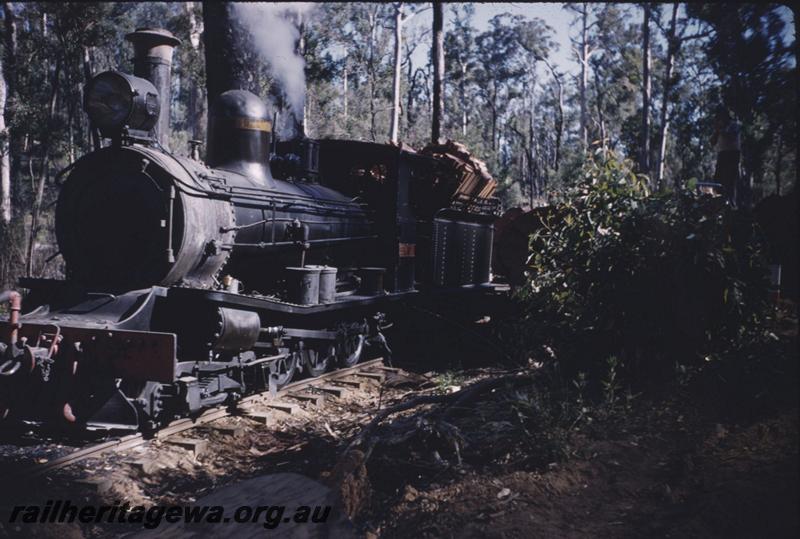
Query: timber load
<point x="465" y="176"/>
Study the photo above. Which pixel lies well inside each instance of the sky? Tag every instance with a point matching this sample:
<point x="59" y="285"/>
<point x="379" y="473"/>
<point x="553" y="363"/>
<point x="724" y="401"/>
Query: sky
<point x="553" y="14"/>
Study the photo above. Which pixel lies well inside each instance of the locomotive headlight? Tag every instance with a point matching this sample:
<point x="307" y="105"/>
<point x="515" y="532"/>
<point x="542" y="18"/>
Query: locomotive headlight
<point x="114" y="100"/>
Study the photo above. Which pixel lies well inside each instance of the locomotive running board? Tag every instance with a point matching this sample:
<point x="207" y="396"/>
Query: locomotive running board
<point x="229" y="299"/>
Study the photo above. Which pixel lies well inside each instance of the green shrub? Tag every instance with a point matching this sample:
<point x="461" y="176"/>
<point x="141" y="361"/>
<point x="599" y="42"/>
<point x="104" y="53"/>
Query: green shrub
<point x="656" y="280"/>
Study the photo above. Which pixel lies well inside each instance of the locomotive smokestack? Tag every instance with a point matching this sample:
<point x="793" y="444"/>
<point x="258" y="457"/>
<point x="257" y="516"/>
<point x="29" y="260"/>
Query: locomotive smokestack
<point x="152" y="60"/>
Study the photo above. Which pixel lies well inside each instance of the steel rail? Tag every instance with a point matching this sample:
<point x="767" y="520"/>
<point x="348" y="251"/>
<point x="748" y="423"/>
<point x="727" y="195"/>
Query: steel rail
<point x="180" y="425"/>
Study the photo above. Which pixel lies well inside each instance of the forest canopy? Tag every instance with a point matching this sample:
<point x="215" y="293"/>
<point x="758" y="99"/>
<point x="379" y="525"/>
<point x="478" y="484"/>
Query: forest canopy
<point x="647" y="81"/>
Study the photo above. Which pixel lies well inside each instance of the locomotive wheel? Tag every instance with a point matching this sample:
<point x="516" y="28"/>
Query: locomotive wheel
<point x="316" y="360"/>
<point x="351" y="350"/>
<point x="284" y="369"/>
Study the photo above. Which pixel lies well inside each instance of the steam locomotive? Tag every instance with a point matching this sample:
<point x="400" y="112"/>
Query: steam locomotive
<point x="190" y="284"/>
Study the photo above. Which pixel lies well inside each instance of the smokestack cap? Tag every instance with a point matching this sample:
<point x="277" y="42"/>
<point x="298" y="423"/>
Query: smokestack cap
<point x="152" y="37"/>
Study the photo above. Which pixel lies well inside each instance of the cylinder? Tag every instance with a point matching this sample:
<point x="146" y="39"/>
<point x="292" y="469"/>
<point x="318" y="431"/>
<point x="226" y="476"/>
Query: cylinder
<point x="152" y="60"/>
<point x="327" y="283"/>
<point x="371" y="281"/>
<point x="303" y="285"/>
<point x="236" y="330"/>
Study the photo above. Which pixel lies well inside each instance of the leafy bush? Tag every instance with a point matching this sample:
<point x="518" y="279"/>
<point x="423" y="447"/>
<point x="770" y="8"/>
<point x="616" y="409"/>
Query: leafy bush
<point x="657" y="280"/>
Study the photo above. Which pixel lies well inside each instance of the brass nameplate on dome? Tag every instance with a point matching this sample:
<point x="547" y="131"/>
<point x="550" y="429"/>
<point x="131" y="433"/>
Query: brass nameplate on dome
<point x="250" y="123"/>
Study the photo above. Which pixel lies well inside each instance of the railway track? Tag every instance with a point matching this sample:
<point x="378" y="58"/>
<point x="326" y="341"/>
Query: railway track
<point x="347" y="376"/>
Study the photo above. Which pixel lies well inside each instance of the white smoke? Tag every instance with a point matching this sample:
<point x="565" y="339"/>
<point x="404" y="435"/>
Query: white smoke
<point x="275" y="35"/>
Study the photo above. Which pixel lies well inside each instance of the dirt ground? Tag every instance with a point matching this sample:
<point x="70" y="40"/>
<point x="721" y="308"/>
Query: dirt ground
<point x="660" y="477"/>
<point x="238" y="449"/>
<point x="680" y="465"/>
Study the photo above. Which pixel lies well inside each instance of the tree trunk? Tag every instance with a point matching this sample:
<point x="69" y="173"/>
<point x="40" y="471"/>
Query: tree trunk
<point x="560" y="117"/>
<point x="71" y="107"/>
<point x="779" y="165"/>
<point x="644" y="162"/>
<point x="462" y="94"/>
<point x="71" y="134"/>
<point x="10" y="20"/>
<point x="344" y="93"/>
<point x="667" y="85"/>
<point x="226" y="67"/>
<point x="373" y="25"/>
<point x="301" y="124"/>
<point x="398" y="43"/>
<point x="728" y="169"/>
<point x="196" y="105"/>
<point x="601" y="124"/>
<point x="193" y="113"/>
<point x="532" y="172"/>
<point x="87" y="75"/>
<point x="412" y="86"/>
<point x="13" y="135"/>
<point x="35" y="211"/>
<point x="584" y="80"/>
<point x="535" y="190"/>
<point x="411" y="77"/>
<point x="494" y="120"/>
<point x="43" y="172"/>
<point x="438" y="71"/>
<point x="5" y="161"/>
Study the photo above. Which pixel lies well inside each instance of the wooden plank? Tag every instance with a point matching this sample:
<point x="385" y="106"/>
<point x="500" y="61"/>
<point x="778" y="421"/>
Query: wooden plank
<point x="337" y="392"/>
<point x="285" y="407"/>
<point x="310" y="398"/>
<point x="387" y="369"/>
<point x="234" y="431"/>
<point x="375" y="376"/>
<point x="355" y="384"/>
<point x="264" y="418"/>
<point x="180" y="425"/>
<point x="196" y="445"/>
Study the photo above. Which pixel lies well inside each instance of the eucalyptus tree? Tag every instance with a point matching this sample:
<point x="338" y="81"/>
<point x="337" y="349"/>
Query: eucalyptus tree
<point x="461" y="61"/>
<point x="535" y="39"/>
<point x="753" y="55"/>
<point x="675" y="33"/>
<point x="583" y="48"/>
<point x="7" y="61"/>
<point x="644" y="141"/>
<point x="614" y="76"/>
<point x="402" y="13"/>
<point x="499" y="70"/>
<point x="369" y="52"/>
<point x="414" y="79"/>
<point x="437" y="59"/>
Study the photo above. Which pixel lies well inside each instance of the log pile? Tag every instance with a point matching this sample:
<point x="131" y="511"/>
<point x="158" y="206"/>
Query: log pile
<point x="467" y="175"/>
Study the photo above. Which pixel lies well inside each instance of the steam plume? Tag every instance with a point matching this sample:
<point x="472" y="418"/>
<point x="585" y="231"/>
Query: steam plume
<point x="274" y="36"/>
